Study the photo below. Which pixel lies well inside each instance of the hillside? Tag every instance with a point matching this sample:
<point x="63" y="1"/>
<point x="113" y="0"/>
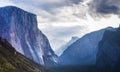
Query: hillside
<point x="12" y="61"/>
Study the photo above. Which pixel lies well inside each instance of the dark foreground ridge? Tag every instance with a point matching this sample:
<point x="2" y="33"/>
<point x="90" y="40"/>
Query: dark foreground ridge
<point x="12" y="61"/>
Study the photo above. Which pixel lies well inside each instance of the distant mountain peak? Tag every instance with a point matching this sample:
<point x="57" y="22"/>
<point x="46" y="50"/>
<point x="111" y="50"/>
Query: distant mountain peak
<point x="83" y="51"/>
<point x="64" y="47"/>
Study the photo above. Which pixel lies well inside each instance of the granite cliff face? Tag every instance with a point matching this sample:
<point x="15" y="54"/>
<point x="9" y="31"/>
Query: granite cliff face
<point x="20" y="29"/>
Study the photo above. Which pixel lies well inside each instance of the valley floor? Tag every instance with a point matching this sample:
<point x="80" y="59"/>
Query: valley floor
<point x="85" y="68"/>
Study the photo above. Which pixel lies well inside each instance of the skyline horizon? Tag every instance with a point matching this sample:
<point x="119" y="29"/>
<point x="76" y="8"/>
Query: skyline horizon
<point x="67" y="18"/>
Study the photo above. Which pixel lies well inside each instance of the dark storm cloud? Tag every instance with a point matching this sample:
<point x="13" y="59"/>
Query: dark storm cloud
<point x="105" y="6"/>
<point x="47" y="5"/>
<point x="76" y="1"/>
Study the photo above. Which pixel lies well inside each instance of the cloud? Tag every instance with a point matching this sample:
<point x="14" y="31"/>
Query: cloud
<point x="42" y="4"/>
<point x="37" y="2"/>
<point x="71" y="13"/>
<point x="57" y="12"/>
<point x="64" y="32"/>
<point x="46" y="4"/>
<point x="5" y="3"/>
<point x="105" y="7"/>
<point x="52" y="10"/>
<point x="59" y="35"/>
<point x="59" y="20"/>
<point x="76" y="1"/>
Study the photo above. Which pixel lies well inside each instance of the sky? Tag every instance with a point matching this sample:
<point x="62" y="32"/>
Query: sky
<point x="60" y="20"/>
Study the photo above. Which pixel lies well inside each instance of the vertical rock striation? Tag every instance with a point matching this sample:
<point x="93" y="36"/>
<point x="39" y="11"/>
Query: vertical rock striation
<point x="20" y="29"/>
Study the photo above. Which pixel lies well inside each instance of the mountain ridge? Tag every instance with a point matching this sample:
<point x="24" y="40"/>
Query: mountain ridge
<point x="64" y="47"/>
<point x="84" y="50"/>
<point x="12" y="61"/>
<point x="20" y="29"/>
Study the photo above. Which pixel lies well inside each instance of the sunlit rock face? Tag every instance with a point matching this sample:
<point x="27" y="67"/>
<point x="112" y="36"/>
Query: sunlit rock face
<point x="20" y="29"/>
